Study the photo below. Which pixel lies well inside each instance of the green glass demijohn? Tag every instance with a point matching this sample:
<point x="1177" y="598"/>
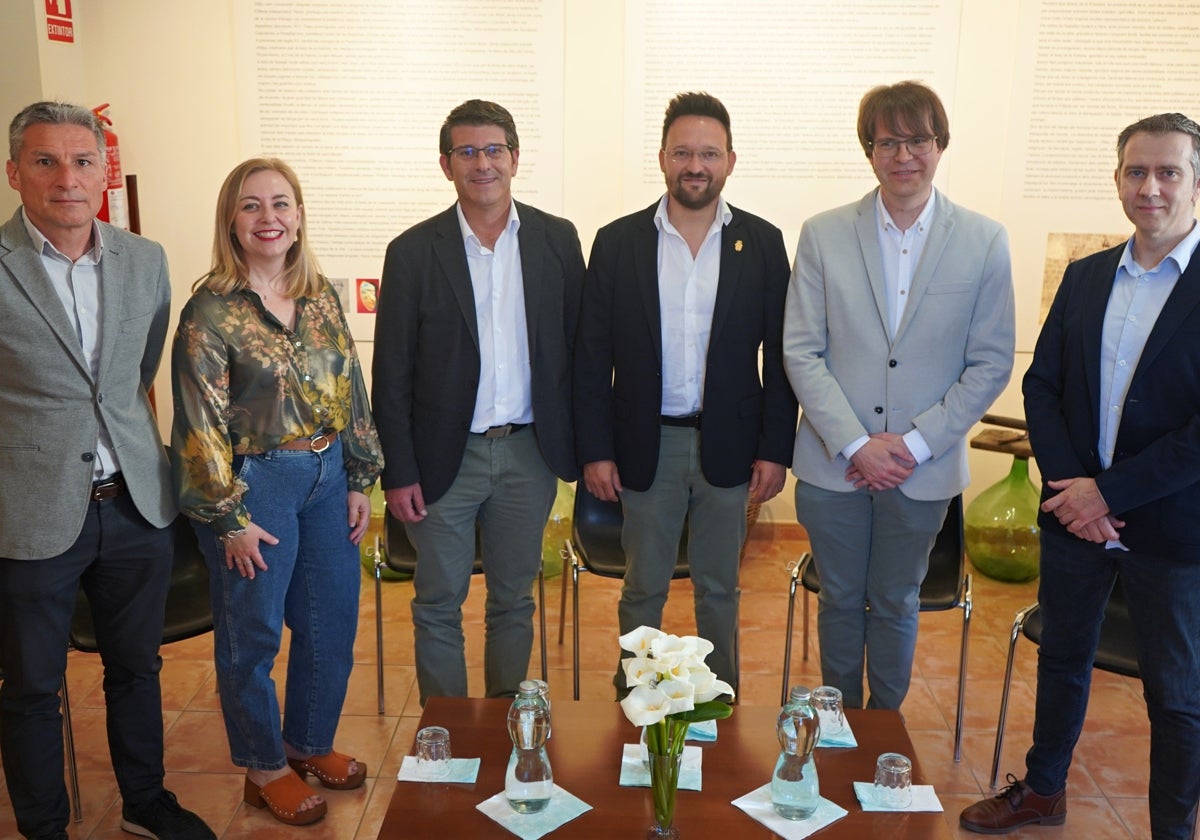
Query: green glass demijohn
<point x="1001" y="528"/>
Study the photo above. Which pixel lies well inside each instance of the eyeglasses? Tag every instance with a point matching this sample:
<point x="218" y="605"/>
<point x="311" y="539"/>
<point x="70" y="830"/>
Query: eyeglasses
<point x="684" y="156"/>
<point x="494" y="151"/>
<point x="916" y="146"/>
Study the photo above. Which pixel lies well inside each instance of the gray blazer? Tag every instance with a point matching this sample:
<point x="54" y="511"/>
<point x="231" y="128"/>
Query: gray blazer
<point x="951" y="357"/>
<point x="50" y="406"/>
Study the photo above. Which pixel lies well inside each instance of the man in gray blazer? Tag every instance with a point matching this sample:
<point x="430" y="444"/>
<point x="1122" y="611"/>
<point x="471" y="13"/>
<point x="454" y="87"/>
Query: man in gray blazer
<point x="898" y="335"/>
<point x="84" y="496"/>
<point x="472" y="398"/>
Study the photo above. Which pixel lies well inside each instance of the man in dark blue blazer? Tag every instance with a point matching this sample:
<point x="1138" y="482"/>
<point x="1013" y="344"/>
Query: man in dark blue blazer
<point x="672" y="414"/>
<point x="472" y="398"/>
<point x="1113" y="403"/>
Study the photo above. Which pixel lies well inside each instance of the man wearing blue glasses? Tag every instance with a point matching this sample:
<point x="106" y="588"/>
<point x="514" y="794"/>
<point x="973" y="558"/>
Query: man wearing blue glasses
<point x="898" y="336"/>
<point x="672" y="413"/>
<point x="472" y="397"/>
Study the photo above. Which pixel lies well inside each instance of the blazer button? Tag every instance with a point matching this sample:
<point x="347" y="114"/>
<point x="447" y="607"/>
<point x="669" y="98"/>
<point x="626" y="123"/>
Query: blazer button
<point x="87" y="456"/>
<point x="891" y="362"/>
<point x="879" y="409"/>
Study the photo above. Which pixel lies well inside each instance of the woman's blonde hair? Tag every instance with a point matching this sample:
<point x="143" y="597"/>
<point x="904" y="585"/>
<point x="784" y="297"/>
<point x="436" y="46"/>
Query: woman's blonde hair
<point x="229" y="273"/>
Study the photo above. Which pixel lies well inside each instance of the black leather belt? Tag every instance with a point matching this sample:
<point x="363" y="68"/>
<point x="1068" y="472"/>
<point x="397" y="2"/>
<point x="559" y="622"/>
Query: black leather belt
<point x="687" y="421"/>
<point x="108" y="488"/>
<point x="502" y="431"/>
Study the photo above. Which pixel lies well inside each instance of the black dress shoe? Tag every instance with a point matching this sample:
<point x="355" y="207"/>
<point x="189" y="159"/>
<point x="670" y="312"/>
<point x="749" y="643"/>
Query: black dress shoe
<point x="162" y="818"/>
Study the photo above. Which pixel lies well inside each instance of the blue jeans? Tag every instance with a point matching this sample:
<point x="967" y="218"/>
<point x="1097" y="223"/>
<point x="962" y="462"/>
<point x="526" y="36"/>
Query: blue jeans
<point x="1163" y="595"/>
<point x="311" y="583"/>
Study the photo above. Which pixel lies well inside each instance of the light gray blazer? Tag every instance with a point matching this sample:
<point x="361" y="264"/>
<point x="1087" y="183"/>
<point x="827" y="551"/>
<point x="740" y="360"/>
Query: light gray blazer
<point x="50" y="406"/>
<point x="951" y="357"/>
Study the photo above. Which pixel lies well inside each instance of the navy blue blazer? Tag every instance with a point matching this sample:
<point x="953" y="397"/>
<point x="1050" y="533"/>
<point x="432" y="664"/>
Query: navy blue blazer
<point x="618" y="354"/>
<point x="1154" y="481"/>
<point x="425" y="370"/>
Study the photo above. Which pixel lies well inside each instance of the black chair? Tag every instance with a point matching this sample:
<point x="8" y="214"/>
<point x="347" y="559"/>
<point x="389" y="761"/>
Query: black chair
<point x="947" y="585"/>
<point x="596" y="547"/>
<point x="1116" y="652"/>
<point x="398" y="554"/>
<point x="188" y="614"/>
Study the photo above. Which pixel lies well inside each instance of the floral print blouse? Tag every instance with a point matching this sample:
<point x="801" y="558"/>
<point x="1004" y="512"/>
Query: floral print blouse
<point x="244" y="384"/>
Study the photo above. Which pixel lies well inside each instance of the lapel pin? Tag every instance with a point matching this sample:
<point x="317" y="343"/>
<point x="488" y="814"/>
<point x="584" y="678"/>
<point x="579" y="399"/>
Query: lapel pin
<point x="737" y="246"/>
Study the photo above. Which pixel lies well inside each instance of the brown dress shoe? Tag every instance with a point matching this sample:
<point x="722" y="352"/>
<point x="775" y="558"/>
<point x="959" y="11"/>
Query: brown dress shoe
<point x="1013" y="807"/>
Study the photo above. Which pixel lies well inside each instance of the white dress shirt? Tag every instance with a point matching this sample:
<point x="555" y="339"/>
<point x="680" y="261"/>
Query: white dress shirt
<point x="687" y="292"/>
<point x="77" y="284"/>
<point x="505" y="393"/>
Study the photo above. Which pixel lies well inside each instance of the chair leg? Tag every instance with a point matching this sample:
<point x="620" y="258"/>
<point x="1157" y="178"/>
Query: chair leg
<point x="574" y="561"/>
<point x="379" y="625"/>
<point x="791" y="620"/>
<point x="962" y="667"/>
<point x="562" y="599"/>
<point x="541" y="608"/>
<point x="1018" y="623"/>
<point x="804" y="632"/>
<point x="69" y="740"/>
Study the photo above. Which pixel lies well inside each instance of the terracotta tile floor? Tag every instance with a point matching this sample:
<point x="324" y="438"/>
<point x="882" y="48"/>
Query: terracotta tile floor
<point x="1108" y="779"/>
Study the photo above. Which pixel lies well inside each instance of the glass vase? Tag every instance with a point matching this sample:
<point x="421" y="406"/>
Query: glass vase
<point x="1001" y="528"/>
<point x="664" y="782"/>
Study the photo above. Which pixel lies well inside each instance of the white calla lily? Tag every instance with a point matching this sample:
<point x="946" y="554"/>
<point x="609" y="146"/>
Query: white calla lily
<point x="640" y="671"/>
<point x="681" y="693"/>
<point x="702" y="647"/>
<point x="638" y="641"/>
<point x="646" y="706"/>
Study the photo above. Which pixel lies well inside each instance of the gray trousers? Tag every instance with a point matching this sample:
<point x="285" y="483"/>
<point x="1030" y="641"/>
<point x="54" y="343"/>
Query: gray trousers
<point x="503" y="483"/>
<point x="871" y="548"/>
<point x="654" y="522"/>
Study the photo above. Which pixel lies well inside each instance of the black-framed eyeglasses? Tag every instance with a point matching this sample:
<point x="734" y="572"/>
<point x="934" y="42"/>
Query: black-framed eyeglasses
<point x="916" y="146"/>
<point x="493" y="151"/>
<point x="684" y="156"/>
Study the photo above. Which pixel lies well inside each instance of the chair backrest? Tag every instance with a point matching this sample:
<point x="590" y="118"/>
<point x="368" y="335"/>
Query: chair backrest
<point x="401" y="554"/>
<point x="943" y="584"/>
<point x="189" y="603"/>
<point x="1117" y="650"/>
<point x="597" y="536"/>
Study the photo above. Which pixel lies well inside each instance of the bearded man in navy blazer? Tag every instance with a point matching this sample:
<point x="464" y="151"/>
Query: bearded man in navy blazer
<point x="472" y="398"/>
<point x="85" y="493"/>
<point x="672" y="416"/>
<point x="1112" y="398"/>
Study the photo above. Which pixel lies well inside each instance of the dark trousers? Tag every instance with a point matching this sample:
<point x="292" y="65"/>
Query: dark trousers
<point x="1163" y="595"/>
<point x="123" y="564"/>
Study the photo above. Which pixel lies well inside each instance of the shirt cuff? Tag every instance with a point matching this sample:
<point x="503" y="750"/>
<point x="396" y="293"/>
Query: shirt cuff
<point x="853" y="447"/>
<point x="915" y="441"/>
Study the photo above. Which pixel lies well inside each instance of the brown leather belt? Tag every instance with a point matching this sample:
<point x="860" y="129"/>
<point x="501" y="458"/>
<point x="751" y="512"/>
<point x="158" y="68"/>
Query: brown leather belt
<point x="318" y="442"/>
<point x="503" y="431"/>
<point x="108" y="488"/>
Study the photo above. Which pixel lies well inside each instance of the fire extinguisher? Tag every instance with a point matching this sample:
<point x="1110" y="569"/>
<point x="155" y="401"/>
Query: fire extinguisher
<point x="115" y="208"/>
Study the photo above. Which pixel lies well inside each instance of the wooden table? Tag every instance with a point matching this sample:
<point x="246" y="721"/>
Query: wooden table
<point x="585" y="754"/>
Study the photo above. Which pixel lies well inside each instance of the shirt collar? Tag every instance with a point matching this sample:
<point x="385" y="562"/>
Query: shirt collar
<point x="40" y="242"/>
<point x="1181" y="254"/>
<point x="724" y="216"/>
<point x="513" y="224"/>
<point x="885" y="218"/>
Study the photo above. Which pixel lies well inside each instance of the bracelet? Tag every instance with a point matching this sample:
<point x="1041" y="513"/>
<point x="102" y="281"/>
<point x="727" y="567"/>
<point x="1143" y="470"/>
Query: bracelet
<point x="230" y="536"/>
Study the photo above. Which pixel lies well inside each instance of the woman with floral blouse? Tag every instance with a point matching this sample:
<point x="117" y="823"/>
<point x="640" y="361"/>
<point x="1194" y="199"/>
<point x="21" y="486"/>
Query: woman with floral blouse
<point x="273" y="452"/>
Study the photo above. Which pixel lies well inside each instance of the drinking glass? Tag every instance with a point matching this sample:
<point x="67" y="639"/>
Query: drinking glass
<point x="433" y="752"/>
<point x="893" y="781"/>
<point x="827" y="700"/>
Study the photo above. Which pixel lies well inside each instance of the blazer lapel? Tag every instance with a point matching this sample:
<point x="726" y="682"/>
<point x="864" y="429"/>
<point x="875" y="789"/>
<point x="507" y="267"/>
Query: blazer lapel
<point x="941" y="226"/>
<point x="865" y="225"/>
<point x="450" y="251"/>
<point x="115" y="276"/>
<point x="645" y="268"/>
<point x="532" y="238"/>
<point x="733" y="257"/>
<point x="1095" y="304"/>
<point x="25" y="267"/>
<point x="1180" y="306"/>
